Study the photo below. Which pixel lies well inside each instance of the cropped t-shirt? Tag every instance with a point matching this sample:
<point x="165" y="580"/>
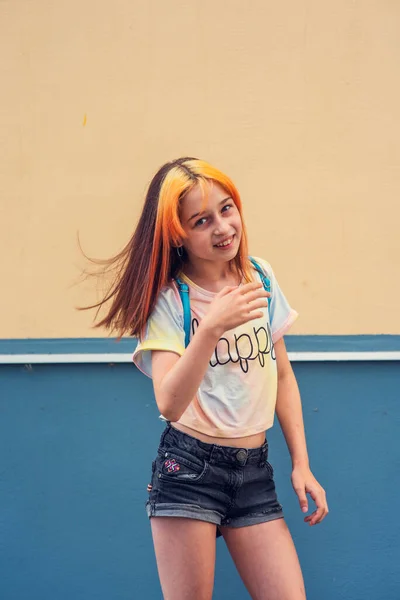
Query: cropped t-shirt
<point x="237" y="395"/>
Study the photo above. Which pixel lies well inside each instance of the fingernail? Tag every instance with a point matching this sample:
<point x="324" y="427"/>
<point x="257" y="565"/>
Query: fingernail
<point x="304" y="509"/>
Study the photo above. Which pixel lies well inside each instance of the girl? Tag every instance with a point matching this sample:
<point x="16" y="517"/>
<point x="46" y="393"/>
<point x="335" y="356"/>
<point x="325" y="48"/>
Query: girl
<point x="218" y="393"/>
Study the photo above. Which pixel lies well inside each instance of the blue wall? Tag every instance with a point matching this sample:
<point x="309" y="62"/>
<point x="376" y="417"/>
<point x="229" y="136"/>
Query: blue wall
<point x="76" y="443"/>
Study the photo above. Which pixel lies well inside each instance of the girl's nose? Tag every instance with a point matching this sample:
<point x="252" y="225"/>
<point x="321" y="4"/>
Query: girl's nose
<point x="221" y="227"/>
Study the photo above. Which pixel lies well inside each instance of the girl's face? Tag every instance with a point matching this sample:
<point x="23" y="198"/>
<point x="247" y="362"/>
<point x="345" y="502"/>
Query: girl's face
<point x="214" y="233"/>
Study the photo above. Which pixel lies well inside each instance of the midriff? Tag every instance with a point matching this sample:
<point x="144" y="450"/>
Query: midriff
<point x="250" y="441"/>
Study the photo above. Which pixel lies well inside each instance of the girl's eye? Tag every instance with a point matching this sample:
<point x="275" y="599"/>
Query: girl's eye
<point x="204" y="219"/>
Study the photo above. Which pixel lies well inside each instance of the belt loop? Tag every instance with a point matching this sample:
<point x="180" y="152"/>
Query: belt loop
<point x="263" y="454"/>
<point x="164" y="433"/>
<point x="211" y="456"/>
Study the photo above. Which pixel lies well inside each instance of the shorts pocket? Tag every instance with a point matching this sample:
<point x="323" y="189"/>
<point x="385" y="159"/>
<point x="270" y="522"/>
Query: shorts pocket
<point x="153" y="468"/>
<point x="150" y="484"/>
<point x="174" y="467"/>
<point x="269" y="469"/>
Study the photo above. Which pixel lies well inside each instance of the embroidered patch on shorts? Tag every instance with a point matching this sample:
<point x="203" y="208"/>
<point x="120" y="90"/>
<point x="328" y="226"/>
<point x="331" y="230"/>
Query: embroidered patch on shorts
<point x="171" y="465"/>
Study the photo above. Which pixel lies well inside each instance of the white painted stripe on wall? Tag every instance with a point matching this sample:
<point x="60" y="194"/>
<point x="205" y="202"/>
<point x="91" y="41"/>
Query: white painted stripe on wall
<point x="31" y="359"/>
<point x="342" y="356"/>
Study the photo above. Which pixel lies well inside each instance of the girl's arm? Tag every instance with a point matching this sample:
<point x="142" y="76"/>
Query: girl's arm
<point x="176" y="379"/>
<point x="290" y="415"/>
<point x="288" y="407"/>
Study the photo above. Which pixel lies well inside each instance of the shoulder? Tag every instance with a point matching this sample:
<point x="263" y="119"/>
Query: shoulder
<point x="169" y="294"/>
<point x="168" y="304"/>
<point x="265" y="265"/>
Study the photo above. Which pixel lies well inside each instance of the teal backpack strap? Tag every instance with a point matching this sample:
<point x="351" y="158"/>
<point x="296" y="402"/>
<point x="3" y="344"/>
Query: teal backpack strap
<point x="184" y="294"/>
<point x="264" y="278"/>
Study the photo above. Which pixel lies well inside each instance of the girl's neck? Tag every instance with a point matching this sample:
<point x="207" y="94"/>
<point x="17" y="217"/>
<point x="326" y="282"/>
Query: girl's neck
<point x="212" y="277"/>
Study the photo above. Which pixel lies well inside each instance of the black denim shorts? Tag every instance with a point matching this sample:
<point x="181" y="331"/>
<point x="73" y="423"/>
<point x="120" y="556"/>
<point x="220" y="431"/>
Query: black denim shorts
<point x="223" y="485"/>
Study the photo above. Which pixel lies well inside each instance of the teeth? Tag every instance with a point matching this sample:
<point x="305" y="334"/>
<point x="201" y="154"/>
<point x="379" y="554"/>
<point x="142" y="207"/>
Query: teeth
<point x="226" y="243"/>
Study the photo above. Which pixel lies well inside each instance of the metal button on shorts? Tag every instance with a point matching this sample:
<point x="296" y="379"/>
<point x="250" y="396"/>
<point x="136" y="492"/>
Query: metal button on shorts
<point x="242" y="456"/>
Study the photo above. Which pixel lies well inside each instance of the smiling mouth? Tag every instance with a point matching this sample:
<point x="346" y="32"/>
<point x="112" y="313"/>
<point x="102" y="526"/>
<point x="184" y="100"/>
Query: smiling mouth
<point x="225" y="243"/>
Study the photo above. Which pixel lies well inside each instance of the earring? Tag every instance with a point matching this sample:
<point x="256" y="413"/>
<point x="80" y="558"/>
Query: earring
<point x="179" y="251"/>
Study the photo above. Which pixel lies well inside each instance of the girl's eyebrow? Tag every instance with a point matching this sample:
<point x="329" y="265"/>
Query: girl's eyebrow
<point x="202" y="212"/>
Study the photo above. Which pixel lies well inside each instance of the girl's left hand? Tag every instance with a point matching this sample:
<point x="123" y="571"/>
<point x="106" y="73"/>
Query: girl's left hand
<point x="304" y="482"/>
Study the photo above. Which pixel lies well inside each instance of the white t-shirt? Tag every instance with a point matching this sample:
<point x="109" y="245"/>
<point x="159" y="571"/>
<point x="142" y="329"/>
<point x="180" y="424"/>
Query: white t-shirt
<point x="237" y="395"/>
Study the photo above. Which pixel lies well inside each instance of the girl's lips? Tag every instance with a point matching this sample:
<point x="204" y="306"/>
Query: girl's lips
<point x="228" y="246"/>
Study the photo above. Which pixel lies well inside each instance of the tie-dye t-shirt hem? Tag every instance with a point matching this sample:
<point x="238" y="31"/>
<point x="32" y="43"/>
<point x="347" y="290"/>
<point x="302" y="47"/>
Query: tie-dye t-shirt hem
<point x="142" y="355"/>
<point x="277" y="335"/>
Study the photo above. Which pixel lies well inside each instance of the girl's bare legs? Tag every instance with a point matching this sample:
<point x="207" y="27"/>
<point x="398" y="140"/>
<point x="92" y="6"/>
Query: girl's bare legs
<point x="267" y="561"/>
<point x="185" y="554"/>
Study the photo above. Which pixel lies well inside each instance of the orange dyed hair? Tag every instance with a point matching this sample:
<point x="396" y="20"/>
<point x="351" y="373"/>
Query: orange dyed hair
<point x="149" y="261"/>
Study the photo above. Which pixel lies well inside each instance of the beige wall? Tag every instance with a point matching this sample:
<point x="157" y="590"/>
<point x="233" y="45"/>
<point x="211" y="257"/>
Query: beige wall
<point x="297" y="100"/>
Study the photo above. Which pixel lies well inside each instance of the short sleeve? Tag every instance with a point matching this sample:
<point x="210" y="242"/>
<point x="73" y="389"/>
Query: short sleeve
<point x="163" y="331"/>
<point x="281" y="316"/>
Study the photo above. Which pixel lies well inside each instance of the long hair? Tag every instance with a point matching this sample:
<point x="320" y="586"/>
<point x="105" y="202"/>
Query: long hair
<point x="149" y="261"/>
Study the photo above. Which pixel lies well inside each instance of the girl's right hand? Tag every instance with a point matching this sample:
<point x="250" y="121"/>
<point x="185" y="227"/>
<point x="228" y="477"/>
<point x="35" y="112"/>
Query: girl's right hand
<point x="234" y="306"/>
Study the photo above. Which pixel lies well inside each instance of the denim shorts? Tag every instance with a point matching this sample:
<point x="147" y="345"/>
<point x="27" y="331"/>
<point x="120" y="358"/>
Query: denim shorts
<point x="223" y="485"/>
